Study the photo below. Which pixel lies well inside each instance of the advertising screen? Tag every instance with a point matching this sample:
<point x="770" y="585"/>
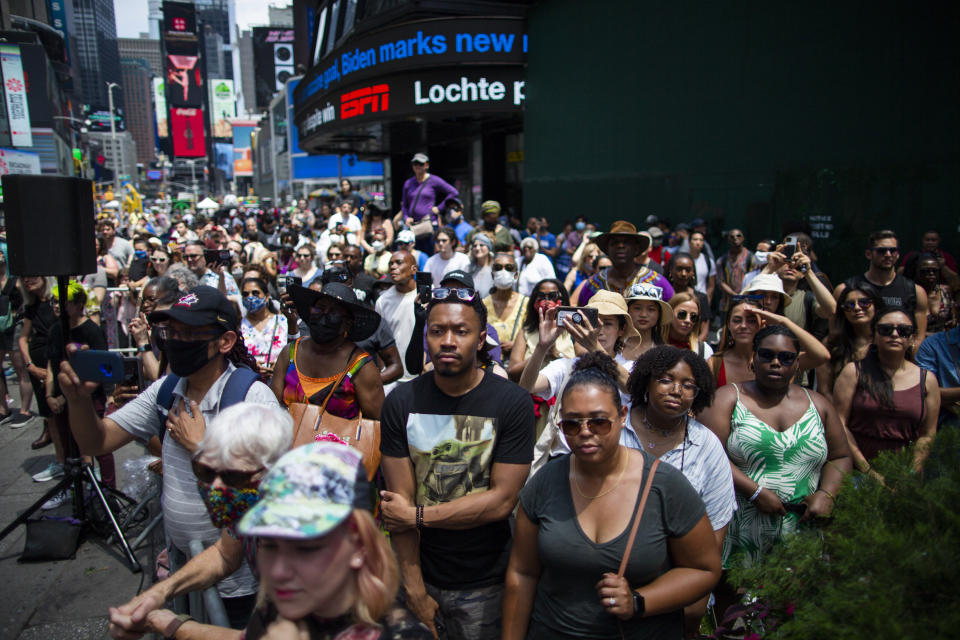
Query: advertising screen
<point x="160" y="107"/>
<point x="184" y="75"/>
<point x="223" y="106"/>
<point x="189" y="140"/>
<point x="179" y="19"/>
<point x="272" y="62"/>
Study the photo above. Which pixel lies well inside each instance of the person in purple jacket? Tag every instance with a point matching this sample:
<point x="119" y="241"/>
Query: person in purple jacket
<point x="424" y="197"/>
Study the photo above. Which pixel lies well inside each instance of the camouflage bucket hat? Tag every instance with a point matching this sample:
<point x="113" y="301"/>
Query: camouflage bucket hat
<point x="309" y="492"/>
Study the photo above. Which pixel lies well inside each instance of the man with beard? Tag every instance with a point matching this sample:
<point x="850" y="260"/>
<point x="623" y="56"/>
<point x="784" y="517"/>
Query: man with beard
<point x="203" y="347"/>
<point x="883" y="251"/>
<point x="454" y="461"/>
<point x="622" y="244"/>
<point x="502" y="240"/>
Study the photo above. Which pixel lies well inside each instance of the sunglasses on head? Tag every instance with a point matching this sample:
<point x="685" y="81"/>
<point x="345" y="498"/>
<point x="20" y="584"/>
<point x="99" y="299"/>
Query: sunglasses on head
<point x="747" y="297"/>
<point x="509" y="267"/>
<point x="863" y="303"/>
<point x="903" y="330"/>
<point x="682" y="315"/>
<point x="229" y="477"/>
<point x="442" y="293"/>
<point x="886" y="250"/>
<point x="786" y="358"/>
<point x="596" y="426"/>
<point x="549" y="295"/>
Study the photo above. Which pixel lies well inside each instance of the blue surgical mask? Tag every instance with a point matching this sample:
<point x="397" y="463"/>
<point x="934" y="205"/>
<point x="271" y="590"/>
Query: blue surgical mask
<point x="254" y="303"/>
<point x="581" y="226"/>
<point x="140" y="254"/>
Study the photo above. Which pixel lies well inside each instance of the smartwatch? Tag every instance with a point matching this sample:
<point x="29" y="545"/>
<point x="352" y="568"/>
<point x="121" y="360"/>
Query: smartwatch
<point x="639" y="606"/>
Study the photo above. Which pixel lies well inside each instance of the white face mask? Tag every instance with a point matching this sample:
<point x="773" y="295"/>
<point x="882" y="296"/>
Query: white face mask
<point x="378" y="246"/>
<point x="503" y="279"/>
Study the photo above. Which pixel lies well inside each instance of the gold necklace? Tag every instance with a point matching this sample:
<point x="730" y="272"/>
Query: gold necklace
<point x="576" y="485"/>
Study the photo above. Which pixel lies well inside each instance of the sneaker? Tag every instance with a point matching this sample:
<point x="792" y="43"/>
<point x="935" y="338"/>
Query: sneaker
<point x="19" y="419"/>
<point x="60" y="498"/>
<point x="54" y="470"/>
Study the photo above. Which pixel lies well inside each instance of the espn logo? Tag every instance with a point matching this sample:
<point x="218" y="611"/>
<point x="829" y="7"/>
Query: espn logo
<point x="355" y="103"/>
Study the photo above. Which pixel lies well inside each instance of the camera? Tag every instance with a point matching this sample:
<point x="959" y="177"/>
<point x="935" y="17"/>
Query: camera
<point x="217" y="256"/>
<point x="576" y="315"/>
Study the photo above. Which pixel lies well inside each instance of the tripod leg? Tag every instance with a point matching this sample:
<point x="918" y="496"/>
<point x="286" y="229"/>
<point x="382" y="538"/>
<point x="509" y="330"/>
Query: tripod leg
<point x="23" y="517"/>
<point x="92" y="479"/>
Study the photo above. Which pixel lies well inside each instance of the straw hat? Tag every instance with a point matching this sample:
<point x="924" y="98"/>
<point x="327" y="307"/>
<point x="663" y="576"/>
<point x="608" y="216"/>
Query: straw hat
<point x="608" y="303"/>
<point x="768" y="282"/>
<point x="653" y="293"/>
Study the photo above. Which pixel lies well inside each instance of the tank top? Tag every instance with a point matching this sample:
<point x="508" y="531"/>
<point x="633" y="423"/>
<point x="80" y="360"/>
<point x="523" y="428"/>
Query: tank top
<point x="879" y="428"/>
<point x="901" y="292"/>
<point x="298" y="387"/>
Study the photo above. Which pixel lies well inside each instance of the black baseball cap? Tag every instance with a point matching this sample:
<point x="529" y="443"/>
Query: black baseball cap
<point x="201" y="306"/>
<point x="461" y="277"/>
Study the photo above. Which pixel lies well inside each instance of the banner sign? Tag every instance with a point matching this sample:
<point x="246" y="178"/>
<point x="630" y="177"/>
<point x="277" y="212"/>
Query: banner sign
<point x="13" y="161"/>
<point x="15" y="91"/>
<point x="160" y="107"/>
<point x="189" y="140"/>
<point x="223" y="106"/>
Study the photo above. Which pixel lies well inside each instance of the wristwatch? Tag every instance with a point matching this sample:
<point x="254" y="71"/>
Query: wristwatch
<point x="639" y="606"/>
<point x="170" y="633"/>
<point x="143" y="348"/>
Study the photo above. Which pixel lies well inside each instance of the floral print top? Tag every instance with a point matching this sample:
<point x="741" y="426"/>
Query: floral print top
<point x="267" y="345"/>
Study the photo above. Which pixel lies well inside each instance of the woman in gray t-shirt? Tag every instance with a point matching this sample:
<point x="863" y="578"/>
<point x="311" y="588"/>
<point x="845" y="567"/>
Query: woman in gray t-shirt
<point x="572" y="530"/>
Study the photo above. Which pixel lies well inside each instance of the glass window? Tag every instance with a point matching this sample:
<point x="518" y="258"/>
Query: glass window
<point x="318" y="45"/>
<point x="349" y="12"/>
<point x="332" y="28"/>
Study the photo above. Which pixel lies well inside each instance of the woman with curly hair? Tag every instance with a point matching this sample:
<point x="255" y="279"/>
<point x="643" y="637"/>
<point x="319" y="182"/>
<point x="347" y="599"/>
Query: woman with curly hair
<point x="851" y="332"/>
<point x="572" y="528"/>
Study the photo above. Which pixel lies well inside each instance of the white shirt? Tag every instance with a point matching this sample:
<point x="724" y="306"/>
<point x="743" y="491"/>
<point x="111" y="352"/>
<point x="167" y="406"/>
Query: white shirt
<point x="352" y="223"/>
<point x="540" y="268"/>
<point x="439" y="267"/>
<point x="396" y="309"/>
<point x="704" y="268"/>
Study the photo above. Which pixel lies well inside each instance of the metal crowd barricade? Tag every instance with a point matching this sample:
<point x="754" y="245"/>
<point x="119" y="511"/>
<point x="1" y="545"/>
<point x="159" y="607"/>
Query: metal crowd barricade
<point x="205" y="606"/>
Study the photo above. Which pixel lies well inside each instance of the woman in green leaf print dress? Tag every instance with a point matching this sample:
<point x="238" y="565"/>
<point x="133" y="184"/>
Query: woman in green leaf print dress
<point x="786" y="445"/>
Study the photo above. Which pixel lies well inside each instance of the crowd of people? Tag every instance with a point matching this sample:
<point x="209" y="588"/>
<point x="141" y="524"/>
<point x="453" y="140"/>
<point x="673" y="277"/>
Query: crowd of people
<point x="575" y="434"/>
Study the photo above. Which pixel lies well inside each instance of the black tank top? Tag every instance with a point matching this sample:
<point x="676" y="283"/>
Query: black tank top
<point x="902" y="292"/>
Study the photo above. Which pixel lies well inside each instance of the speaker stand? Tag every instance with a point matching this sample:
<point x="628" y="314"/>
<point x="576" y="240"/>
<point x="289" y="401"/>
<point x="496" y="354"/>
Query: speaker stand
<point x="76" y="472"/>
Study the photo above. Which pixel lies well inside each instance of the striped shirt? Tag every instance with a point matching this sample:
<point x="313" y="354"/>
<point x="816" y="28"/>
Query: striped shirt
<point x="184" y="514"/>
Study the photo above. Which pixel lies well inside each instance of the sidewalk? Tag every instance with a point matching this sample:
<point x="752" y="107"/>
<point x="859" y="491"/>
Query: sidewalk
<point x="61" y="599"/>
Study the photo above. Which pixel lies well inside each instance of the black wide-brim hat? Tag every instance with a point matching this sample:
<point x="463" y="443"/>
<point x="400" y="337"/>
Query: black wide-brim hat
<point x="365" y="320"/>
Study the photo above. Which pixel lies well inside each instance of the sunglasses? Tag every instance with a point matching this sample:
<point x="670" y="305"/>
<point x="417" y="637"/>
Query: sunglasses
<point x="229" y="477"/>
<point x="159" y="260"/>
<point x="442" y="293"/>
<point x="786" y="358"/>
<point x="863" y="303"/>
<point x="500" y="267"/>
<point x="886" y="250"/>
<point x="596" y="426"/>
<point x="682" y="315"/>
<point x="747" y="297"/>
<point x="549" y="295"/>
<point x="902" y="330"/>
<point x="304" y="256"/>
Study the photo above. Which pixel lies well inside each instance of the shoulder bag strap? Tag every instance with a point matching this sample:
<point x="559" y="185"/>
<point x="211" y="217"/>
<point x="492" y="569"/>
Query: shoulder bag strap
<point x="923" y="397"/>
<point x="644" y="493"/>
<point x="273" y="335"/>
<point x="336" y="383"/>
<point x="516" y="318"/>
<point x="416" y="198"/>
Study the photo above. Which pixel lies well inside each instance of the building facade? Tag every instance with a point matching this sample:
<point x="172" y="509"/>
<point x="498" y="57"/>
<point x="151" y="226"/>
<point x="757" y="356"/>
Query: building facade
<point x="95" y="35"/>
<point x="138" y="91"/>
<point x="120" y="154"/>
<point x="144" y="48"/>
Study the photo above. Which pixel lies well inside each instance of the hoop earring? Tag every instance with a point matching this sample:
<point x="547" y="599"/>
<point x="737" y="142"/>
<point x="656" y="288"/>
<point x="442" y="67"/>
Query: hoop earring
<point x="646" y="397"/>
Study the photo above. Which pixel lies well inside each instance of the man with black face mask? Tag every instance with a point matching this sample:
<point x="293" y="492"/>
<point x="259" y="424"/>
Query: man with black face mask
<point x="502" y="240"/>
<point x="203" y="347"/>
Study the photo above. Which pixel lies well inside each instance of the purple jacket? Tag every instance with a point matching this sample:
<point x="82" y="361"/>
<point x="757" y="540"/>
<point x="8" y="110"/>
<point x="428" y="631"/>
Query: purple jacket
<point x="436" y="193"/>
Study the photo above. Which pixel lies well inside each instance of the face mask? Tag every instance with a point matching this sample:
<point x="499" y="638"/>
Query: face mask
<point x="140" y="254"/>
<point x="226" y="505"/>
<point x="377" y="246"/>
<point x="503" y="279"/>
<point x="581" y="226"/>
<point x="237" y="274"/>
<point x="546" y="305"/>
<point x="157" y="341"/>
<point x="325" y="328"/>
<point x="489" y="226"/>
<point x="254" y="303"/>
<point x="187" y="357"/>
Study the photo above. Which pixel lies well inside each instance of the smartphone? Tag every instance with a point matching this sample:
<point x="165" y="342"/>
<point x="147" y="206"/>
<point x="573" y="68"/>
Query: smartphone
<point x="105" y="367"/>
<point x="576" y="315"/>
<point x="132" y="373"/>
<point x="217" y="256"/>
<point x="291" y="280"/>
<point x="798" y="508"/>
<point x="424" y="281"/>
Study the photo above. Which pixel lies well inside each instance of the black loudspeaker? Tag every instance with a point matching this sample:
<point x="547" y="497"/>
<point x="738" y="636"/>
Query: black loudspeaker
<point x="50" y="225"/>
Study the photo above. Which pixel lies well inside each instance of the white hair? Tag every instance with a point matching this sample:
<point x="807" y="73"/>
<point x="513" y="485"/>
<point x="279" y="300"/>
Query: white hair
<point x="247" y="429"/>
<point x="530" y="241"/>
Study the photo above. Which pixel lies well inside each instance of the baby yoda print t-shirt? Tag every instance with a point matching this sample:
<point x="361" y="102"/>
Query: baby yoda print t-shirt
<point x="453" y="443"/>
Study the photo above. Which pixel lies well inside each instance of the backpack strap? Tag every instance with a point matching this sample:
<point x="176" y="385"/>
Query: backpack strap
<point x="238" y="384"/>
<point x="165" y="400"/>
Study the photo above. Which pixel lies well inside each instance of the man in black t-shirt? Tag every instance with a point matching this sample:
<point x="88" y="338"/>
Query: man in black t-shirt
<point x="457" y="443"/>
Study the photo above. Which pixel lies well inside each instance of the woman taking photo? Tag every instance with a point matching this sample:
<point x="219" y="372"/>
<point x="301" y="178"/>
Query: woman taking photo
<point x="329" y="361"/>
<point x="546" y="294"/>
<point x="851" y="332"/>
<point x="264" y="331"/>
<point x="572" y="531"/>
<point x="585" y="268"/>
<point x="684" y="331"/>
<point x="481" y="263"/>
<point x="886" y="401"/>
<point x="651" y="317"/>
<point x="506" y="308"/>
<point x="786" y="445"/>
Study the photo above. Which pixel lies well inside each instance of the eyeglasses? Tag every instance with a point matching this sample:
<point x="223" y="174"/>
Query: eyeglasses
<point x="169" y="333"/>
<point x="748" y="297"/>
<point x="442" y="293"/>
<point x="596" y="426"/>
<point x="688" y="388"/>
<point x="886" y="250"/>
<point x="682" y="315"/>
<point x="229" y="477"/>
<point x="553" y="296"/>
<point x="863" y="303"/>
<point x="786" y="358"/>
<point x="902" y="330"/>
<point x="500" y="267"/>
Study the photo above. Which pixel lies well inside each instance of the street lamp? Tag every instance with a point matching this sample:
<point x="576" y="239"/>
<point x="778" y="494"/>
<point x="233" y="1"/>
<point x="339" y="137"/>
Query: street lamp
<point x="113" y="139"/>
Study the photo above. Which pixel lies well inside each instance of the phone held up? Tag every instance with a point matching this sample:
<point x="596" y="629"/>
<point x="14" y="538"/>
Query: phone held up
<point x="576" y="315"/>
<point x="424" y="280"/>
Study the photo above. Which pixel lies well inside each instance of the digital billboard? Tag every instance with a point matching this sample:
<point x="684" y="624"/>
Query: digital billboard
<point x="242" y="145"/>
<point x="272" y="62"/>
<point x="160" y="107"/>
<point x="223" y="107"/>
<point x="179" y="20"/>
<point x="186" y="127"/>
<point x="184" y="77"/>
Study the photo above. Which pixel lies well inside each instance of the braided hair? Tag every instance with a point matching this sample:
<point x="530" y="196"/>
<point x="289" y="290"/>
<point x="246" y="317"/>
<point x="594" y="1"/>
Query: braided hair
<point x="240" y="356"/>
